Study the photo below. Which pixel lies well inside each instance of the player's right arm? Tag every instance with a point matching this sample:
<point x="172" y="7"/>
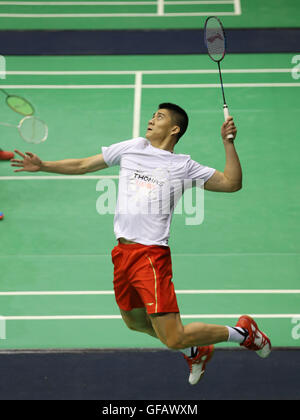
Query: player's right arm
<point x="32" y="163"/>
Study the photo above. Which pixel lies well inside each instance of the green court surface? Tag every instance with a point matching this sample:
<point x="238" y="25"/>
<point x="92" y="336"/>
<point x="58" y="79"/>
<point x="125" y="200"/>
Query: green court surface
<point x="147" y="14"/>
<point x="56" y="270"/>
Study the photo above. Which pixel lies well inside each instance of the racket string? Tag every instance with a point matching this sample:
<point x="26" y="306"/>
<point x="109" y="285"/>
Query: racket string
<point x="33" y="130"/>
<point x="215" y="38"/>
<point x="20" y="105"/>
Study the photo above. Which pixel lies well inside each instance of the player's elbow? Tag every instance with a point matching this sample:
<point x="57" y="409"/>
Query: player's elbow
<point x="236" y="187"/>
<point x="233" y="184"/>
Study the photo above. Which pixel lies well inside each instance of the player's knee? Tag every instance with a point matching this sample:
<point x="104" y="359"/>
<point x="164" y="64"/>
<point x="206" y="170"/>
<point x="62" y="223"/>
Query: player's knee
<point x="131" y="325"/>
<point x="136" y="326"/>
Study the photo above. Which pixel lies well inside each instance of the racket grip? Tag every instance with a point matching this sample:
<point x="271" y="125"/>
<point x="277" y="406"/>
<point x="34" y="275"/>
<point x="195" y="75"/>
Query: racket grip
<point x="226" y="115"/>
<point x="226" y="111"/>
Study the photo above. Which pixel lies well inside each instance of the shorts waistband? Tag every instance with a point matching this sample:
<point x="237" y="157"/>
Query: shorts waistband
<point x="139" y="246"/>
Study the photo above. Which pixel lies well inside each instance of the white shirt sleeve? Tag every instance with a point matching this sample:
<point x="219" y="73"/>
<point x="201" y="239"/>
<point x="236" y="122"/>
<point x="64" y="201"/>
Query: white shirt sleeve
<point x="197" y="171"/>
<point x="112" y="154"/>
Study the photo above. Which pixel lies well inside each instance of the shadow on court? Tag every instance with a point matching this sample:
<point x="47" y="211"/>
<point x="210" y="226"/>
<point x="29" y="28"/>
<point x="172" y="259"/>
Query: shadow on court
<point x="147" y="375"/>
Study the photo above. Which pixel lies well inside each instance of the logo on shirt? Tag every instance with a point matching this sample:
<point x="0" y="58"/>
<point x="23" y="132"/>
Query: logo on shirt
<point x="148" y="179"/>
<point x="145" y="185"/>
<point x="158" y="177"/>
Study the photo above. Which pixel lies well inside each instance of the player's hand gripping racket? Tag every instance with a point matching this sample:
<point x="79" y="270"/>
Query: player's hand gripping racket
<point x="215" y="41"/>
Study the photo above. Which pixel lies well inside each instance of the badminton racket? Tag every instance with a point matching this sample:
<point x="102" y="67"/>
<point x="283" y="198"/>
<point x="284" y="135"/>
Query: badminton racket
<point x="31" y="129"/>
<point x="215" y="41"/>
<point x="18" y="104"/>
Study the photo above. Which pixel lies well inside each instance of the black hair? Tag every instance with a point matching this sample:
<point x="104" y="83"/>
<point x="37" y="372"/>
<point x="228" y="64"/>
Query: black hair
<point x="179" y="116"/>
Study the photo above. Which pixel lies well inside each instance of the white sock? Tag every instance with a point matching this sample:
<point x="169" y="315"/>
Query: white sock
<point x="190" y="351"/>
<point x="237" y="334"/>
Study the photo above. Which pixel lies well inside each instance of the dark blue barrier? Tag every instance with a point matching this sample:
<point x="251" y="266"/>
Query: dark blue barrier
<point x="141" y="375"/>
<point x="189" y="41"/>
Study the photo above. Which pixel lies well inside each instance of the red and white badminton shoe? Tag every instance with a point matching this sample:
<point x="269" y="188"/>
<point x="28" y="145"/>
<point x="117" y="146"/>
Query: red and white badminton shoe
<point x="256" y="340"/>
<point x="197" y="364"/>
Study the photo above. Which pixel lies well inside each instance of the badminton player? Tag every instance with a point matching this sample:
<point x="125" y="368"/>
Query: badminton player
<point x="143" y="285"/>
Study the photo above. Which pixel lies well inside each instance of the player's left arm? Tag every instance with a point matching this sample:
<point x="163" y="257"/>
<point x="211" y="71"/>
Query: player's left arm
<point x="231" y="179"/>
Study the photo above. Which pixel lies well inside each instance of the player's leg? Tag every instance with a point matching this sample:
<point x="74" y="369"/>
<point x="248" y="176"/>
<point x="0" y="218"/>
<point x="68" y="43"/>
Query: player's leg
<point x="177" y="336"/>
<point x="196" y="339"/>
<point x="138" y="320"/>
<point x="170" y="330"/>
<point x="187" y="339"/>
<point x="156" y="289"/>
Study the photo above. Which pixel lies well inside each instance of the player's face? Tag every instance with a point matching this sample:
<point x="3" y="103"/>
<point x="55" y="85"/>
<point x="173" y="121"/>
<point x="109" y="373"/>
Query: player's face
<point x="160" y="125"/>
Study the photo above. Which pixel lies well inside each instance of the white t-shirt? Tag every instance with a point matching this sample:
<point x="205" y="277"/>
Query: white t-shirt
<point x="151" y="181"/>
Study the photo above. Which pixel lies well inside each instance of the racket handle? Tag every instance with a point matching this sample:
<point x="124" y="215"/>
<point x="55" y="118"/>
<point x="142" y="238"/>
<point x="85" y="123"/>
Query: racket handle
<point x="226" y="115"/>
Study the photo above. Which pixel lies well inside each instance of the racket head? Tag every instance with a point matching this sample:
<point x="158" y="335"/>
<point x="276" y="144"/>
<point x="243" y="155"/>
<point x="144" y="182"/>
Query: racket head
<point x="33" y="130"/>
<point x="20" y="105"/>
<point x="215" y="38"/>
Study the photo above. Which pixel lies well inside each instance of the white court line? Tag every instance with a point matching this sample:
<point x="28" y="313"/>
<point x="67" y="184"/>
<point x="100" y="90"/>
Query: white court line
<point x="239" y="291"/>
<point x="194" y="316"/>
<point x="109" y="3"/>
<point x="137" y="104"/>
<point x="267" y="316"/>
<point x="97" y="15"/>
<point x="199" y="2"/>
<point x="217" y="85"/>
<point x="179" y="292"/>
<point x="67" y="86"/>
<point x="237" y="7"/>
<point x="240" y="254"/>
<point x="154" y="86"/>
<point x="229" y="254"/>
<point x="161" y="7"/>
<point x="56" y="178"/>
<point x="133" y="72"/>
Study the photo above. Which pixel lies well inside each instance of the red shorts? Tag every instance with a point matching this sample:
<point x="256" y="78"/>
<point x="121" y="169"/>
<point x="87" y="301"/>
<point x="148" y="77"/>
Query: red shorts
<point x="143" y="278"/>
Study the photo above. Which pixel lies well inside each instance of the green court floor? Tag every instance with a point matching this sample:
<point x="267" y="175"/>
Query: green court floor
<point x="56" y="271"/>
<point x="147" y="14"/>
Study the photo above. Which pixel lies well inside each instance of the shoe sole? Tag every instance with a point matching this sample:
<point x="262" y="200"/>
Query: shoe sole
<point x="208" y="359"/>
